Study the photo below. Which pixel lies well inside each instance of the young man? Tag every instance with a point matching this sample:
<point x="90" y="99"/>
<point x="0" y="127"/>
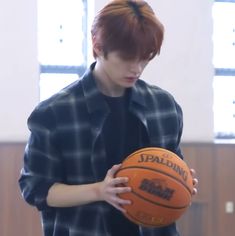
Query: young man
<point x="80" y="135"/>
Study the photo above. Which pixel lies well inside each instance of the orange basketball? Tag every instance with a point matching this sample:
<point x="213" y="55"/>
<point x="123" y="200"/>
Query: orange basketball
<point x="161" y="185"/>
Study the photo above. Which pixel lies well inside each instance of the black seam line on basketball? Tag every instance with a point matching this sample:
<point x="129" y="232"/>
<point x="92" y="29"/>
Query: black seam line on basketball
<point x="156" y="170"/>
<point x="158" y="204"/>
<point x="141" y="223"/>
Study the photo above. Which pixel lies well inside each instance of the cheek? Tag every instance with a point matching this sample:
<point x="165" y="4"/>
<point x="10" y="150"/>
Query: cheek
<point x="119" y="68"/>
<point x="115" y="71"/>
<point x="144" y="65"/>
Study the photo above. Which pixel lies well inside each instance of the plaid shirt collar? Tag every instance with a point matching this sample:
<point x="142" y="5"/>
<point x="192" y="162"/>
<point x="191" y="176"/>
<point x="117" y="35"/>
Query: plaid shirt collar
<point x="94" y="97"/>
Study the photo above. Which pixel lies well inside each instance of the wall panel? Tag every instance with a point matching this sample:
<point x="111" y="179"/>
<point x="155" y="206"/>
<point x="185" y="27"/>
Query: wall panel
<point x="206" y="216"/>
<point x="199" y="217"/>
<point x="224" y="190"/>
<point x="16" y="217"/>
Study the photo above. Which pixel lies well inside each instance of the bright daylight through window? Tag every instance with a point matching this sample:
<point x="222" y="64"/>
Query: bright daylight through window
<point x="224" y="63"/>
<point x="62" y="43"/>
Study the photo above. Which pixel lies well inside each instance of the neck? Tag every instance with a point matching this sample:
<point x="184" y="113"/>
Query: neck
<point x="105" y="84"/>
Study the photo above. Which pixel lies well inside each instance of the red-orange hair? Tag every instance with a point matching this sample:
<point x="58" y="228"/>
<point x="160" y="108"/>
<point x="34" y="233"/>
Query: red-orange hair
<point x="129" y="27"/>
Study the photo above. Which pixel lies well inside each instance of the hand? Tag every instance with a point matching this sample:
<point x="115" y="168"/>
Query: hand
<point x="110" y="188"/>
<point x="195" y="181"/>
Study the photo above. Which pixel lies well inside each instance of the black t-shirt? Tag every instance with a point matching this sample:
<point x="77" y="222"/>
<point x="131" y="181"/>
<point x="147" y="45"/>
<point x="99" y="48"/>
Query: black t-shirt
<point x="123" y="134"/>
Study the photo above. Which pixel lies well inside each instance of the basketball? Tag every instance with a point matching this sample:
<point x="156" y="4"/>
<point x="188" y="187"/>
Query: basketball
<point x="161" y="185"/>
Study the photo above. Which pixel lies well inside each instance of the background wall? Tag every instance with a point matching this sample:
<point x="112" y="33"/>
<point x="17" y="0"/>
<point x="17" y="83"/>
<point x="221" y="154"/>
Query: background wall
<point x="19" y="67"/>
<point x="184" y="66"/>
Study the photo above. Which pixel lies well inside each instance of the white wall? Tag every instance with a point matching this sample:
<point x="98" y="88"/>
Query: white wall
<point x="185" y="64"/>
<point x="184" y="67"/>
<point x="19" y="67"/>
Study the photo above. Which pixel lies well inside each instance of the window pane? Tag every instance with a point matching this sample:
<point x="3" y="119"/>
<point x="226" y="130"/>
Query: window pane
<point x="60" y="32"/>
<point x="224" y="106"/>
<point x="224" y="34"/>
<point x="52" y="83"/>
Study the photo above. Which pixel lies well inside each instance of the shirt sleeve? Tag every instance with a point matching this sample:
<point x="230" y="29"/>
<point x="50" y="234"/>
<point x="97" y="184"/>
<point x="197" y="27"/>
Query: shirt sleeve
<point x="42" y="164"/>
<point x="180" y="130"/>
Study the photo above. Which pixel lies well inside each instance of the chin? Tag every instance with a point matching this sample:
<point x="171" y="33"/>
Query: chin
<point x="129" y="85"/>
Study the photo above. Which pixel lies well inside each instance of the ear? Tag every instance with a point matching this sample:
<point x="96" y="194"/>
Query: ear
<point x="96" y="46"/>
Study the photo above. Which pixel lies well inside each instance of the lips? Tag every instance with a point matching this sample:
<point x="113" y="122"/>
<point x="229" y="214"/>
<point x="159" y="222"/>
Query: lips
<point x="131" y="79"/>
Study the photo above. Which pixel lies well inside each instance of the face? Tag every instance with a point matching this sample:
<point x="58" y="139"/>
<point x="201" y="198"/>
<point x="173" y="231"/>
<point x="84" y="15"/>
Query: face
<point x="118" y="73"/>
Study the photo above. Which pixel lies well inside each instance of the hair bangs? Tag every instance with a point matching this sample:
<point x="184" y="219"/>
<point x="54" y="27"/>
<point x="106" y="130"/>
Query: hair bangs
<point x="138" y="43"/>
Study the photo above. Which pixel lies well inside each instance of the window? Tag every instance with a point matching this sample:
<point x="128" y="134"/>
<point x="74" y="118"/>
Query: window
<point x="224" y="63"/>
<point x="62" y="43"/>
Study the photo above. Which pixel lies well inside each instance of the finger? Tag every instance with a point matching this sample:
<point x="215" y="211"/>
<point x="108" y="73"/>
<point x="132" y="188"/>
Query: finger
<point x="121" y="201"/>
<point x="195" y="181"/>
<point x="194" y="191"/>
<point x="113" y="170"/>
<point x="118" y="207"/>
<point x="193" y="172"/>
<point x="117" y="201"/>
<point x="119" y="190"/>
<point x="120" y="180"/>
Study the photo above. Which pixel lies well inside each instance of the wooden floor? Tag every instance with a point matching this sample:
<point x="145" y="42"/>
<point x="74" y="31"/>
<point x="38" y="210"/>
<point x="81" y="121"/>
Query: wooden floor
<point x="215" y="164"/>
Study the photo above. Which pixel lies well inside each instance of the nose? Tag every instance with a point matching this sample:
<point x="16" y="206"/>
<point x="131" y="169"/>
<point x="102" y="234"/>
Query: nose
<point x="136" y="68"/>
